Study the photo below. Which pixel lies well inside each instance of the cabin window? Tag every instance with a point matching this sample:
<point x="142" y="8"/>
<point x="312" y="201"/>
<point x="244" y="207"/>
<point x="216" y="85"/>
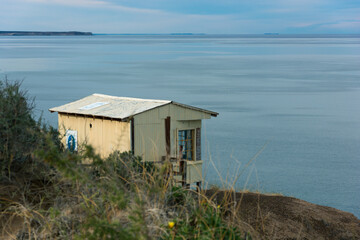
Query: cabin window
<point x="186" y="144"/>
<point x="198" y="144"/>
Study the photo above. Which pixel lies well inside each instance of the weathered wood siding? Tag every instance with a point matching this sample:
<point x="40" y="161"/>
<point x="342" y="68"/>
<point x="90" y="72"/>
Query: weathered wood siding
<point x="149" y="135"/>
<point x="105" y="135"/>
<point x="150" y="141"/>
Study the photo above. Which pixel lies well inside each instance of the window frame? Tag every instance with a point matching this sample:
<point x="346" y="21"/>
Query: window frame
<point x="193" y="142"/>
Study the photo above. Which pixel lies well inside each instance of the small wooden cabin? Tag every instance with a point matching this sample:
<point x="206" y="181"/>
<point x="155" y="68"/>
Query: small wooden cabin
<point x="153" y="129"/>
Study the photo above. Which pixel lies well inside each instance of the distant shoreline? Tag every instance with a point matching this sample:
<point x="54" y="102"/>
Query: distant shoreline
<point x="178" y="35"/>
<point x="29" y="33"/>
<point x="235" y="35"/>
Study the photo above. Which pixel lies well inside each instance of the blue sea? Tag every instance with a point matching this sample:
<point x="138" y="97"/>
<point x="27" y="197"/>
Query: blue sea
<point x="289" y="105"/>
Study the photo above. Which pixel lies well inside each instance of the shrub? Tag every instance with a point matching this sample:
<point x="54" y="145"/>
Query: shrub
<point x="128" y="166"/>
<point x="64" y="195"/>
<point x="176" y="196"/>
<point x="18" y="135"/>
<point x="205" y="222"/>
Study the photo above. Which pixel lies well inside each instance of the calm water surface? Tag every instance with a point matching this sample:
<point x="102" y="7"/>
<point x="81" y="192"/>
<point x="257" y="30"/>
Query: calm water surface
<point x="295" y="101"/>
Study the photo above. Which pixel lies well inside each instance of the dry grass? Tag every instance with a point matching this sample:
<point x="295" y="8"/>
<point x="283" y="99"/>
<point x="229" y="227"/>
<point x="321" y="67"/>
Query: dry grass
<point x="123" y="198"/>
<point x="48" y="193"/>
<point x="118" y="197"/>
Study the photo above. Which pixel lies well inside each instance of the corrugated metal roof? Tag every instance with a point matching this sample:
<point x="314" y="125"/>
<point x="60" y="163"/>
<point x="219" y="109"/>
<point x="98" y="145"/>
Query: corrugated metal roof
<point x="100" y="105"/>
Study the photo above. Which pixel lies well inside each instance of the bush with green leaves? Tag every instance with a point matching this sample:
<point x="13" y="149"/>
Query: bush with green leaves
<point x="19" y="131"/>
<point x="102" y="192"/>
<point x="127" y="165"/>
<point x="205" y="222"/>
<point x="177" y="196"/>
<point x="20" y="134"/>
<point x="64" y="195"/>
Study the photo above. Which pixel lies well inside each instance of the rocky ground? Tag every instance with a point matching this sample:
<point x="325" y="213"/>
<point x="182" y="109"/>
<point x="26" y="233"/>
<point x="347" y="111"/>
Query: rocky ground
<point x="279" y="217"/>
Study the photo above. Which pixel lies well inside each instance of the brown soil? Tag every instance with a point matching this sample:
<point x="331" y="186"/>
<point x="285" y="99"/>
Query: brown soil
<point x="279" y="217"/>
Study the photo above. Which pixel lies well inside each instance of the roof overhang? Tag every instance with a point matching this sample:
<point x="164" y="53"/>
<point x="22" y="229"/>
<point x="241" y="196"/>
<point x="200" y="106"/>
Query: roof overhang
<point x="119" y="108"/>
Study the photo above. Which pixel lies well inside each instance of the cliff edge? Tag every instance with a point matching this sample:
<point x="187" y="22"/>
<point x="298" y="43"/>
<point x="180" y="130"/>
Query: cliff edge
<point x="280" y="217"/>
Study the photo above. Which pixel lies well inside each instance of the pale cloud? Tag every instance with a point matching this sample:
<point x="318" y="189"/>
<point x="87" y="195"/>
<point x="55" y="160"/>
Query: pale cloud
<point x="299" y="3"/>
<point x="292" y="6"/>
<point x="305" y="24"/>
<point x="344" y="25"/>
<point x="113" y="16"/>
<point x="94" y="3"/>
<point x="335" y="24"/>
<point x="340" y="26"/>
<point x="85" y="3"/>
<point x="281" y="10"/>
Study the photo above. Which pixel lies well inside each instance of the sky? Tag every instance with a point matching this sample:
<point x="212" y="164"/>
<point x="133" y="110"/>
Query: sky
<point x="183" y="16"/>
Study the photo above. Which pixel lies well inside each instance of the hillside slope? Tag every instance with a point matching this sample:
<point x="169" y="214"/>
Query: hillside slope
<point x="280" y="217"/>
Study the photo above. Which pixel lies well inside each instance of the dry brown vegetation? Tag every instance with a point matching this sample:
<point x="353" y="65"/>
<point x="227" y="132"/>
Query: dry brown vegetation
<point x="47" y="192"/>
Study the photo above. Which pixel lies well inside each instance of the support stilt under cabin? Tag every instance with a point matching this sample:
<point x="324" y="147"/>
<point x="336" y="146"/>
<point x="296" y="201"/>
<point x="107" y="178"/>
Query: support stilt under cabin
<point x="156" y="130"/>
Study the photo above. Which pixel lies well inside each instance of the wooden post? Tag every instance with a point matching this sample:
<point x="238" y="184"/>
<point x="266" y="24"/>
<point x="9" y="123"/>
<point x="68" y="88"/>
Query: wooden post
<point x="183" y="168"/>
<point x="198" y="186"/>
<point x="132" y="130"/>
<point x="167" y="136"/>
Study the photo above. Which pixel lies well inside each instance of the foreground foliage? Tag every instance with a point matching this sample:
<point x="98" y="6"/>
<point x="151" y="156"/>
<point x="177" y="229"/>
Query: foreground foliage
<point x="47" y="192"/>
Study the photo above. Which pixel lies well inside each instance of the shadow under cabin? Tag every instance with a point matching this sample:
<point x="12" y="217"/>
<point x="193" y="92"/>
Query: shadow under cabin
<point x="156" y="130"/>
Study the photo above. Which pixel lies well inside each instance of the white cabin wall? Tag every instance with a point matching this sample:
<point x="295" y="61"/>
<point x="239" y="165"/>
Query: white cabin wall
<point x="149" y="134"/>
<point x="150" y="129"/>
